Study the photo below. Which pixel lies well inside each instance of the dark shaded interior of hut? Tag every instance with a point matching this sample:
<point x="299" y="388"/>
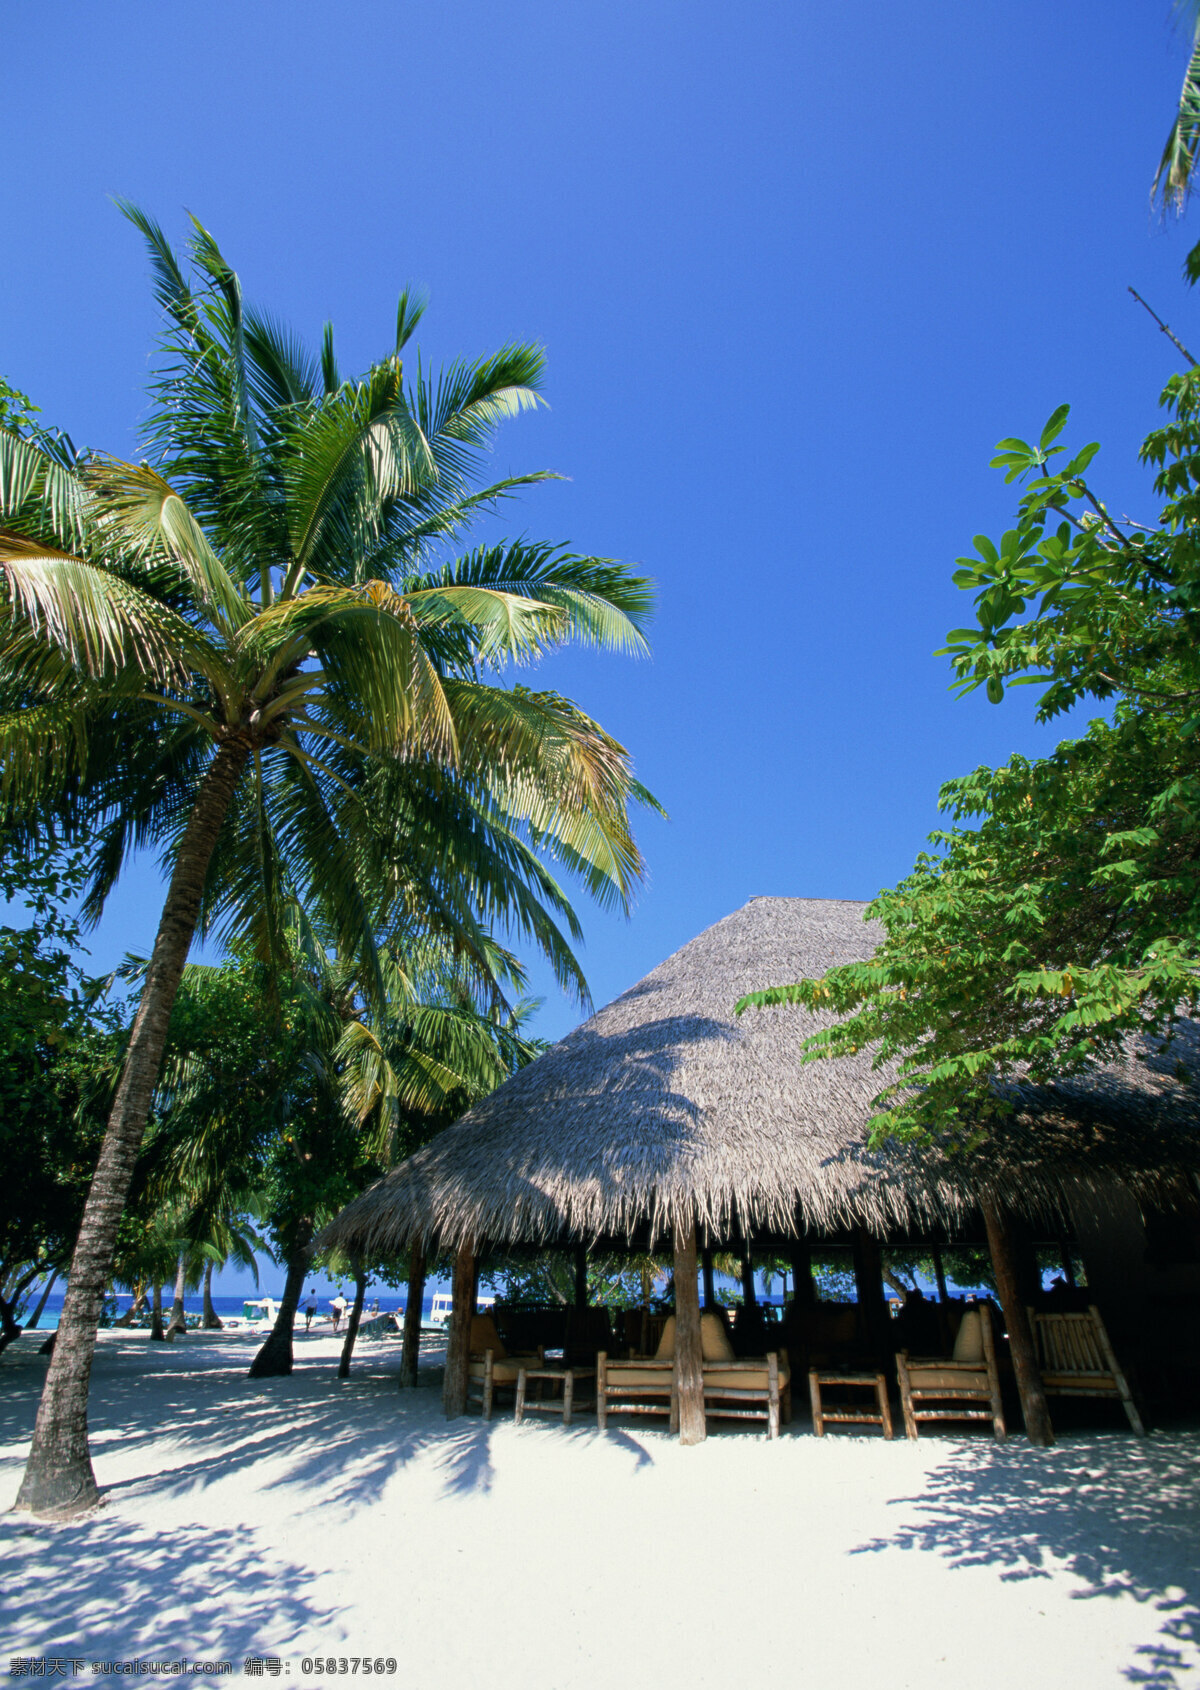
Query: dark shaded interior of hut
<point x="1137" y="1263"/>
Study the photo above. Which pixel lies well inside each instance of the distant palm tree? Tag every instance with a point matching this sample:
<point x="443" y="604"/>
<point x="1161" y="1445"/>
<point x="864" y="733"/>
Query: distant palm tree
<point x="245" y="653"/>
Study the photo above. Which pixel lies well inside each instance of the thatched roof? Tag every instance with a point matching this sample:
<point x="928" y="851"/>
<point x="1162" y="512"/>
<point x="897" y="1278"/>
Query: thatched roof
<point x="666" y="1104"/>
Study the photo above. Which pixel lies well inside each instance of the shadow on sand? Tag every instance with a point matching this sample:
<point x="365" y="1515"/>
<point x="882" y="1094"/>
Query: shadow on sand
<point x="183" y="1422"/>
<point x="1120" y="1514"/>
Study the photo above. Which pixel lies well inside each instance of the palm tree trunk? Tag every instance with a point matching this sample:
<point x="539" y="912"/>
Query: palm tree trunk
<point x="178" y="1318"/>
<point x="59" y="1480"/>
<point x="157" y="1335"/>
<point x="210" y="1320"/>
<point x="9" y="1328"/>
<point x="360" y="1291"/>
<point x="135" y="1308"/>
<point x="410" y="1352"/>
<point x="31" y="1323"/>
<point x="275" y="1356"/>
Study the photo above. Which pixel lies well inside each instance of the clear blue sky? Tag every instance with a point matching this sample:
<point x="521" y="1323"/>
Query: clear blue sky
<point x="796" y="267"/>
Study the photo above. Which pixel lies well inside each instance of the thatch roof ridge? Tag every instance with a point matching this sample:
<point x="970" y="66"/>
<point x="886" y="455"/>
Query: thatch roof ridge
<point x="664" y="1104"/>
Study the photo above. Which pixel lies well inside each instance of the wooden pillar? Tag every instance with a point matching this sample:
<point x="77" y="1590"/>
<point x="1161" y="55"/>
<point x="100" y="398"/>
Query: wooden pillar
<point x="581" y="1270"/>
<point x="804" y="1290"/>
<point x="1068" y="1262"/>
<point x="410" y="1353"/>
<point x="749" y="1294"/>
<point x="1020" y="1336"/>
<point x="868" y="1281"/>
<point x="689" y="1375"/>
<point x="710" y="1289"/>
<point x="939" y="1273"/>
<point x="458" y="1344"/>
<point x="1024" y="1259"/>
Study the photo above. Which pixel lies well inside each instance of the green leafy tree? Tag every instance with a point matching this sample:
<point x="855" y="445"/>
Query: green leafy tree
<point x="244" y="651"/>
<point x="59" y="1054"/>
<point x="1062" y="912"/>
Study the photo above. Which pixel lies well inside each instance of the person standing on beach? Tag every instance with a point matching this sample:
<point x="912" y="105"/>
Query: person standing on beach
<point x="310" y="1308"/>
<point x="338" y="1305"/>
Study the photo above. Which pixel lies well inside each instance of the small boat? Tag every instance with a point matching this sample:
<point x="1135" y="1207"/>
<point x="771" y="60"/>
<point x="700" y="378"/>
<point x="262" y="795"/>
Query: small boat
<point x="443" y="1302"/>
<point x="259" y="1311"/>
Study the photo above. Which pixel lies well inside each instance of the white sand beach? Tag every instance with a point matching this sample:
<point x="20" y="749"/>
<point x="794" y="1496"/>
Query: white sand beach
<point x="302" y="1518"/>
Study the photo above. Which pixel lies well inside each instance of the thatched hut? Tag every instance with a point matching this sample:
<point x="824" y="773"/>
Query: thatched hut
<point x="665" y="1116"/>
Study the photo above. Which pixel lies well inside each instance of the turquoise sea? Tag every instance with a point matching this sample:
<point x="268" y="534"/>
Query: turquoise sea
<point x="192" y="1304"/>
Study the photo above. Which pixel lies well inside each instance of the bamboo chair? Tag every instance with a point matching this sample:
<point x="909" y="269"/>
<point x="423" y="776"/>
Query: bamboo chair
<point x="1077" y="1359"/>
<point x="964" y="1386"/>
<point x="641" y="1386"/>
<point x="742" y="1387"/>
<point x="749" y="1388"/>
<point x="745" y="1388"/>
<point x="491" y="1368"/>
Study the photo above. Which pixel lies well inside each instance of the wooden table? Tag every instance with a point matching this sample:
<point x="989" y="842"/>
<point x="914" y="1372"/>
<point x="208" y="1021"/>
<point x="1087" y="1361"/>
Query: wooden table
<point x="565" y="1376"/>
<point x="878" y="1415"/>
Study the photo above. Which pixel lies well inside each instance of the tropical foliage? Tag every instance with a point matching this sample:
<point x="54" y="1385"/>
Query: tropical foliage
<point x="1061" y="911"/>
<point x="60" y="1041"/>
<point x="259" y="653"/>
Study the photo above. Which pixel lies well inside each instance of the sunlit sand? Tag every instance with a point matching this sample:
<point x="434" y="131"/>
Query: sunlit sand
<point x="301" y="1518"/>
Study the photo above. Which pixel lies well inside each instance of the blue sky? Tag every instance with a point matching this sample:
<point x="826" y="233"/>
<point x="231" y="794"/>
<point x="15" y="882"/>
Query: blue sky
<point x="796" y="267"/>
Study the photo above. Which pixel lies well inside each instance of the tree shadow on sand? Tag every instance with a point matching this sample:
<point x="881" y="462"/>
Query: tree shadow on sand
<point x="1116" y="1512"/>
<point x="110" y="1586"/>
<point x="335" y="1443"/>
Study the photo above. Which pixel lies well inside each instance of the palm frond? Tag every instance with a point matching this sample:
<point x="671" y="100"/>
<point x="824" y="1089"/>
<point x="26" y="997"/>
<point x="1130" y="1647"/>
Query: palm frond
<point x="102" y="624"/>
<point x="149" y="517"/>
<point x="411" y="308"/>
<point x="1173" y="180"/>
<point x="281" y="372"/>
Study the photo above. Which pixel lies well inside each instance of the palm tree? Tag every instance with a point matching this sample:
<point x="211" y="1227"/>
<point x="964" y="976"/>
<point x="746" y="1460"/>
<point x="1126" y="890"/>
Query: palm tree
<point x="240" y="649"/>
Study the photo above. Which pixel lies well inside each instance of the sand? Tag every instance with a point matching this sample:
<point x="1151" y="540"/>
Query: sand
<point x="302" y="1517"/>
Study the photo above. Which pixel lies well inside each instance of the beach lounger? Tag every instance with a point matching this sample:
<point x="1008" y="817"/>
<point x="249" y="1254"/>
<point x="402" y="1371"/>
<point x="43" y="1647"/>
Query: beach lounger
<point x="1077" y="1359"/>
<point x="964" y="1386"/>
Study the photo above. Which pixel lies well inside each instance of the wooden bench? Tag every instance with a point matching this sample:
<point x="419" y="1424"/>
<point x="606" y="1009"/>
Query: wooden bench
<point x="562" y="1375"/>
<point x="1077" y="1359"/>
<point x="880" y="1415"/>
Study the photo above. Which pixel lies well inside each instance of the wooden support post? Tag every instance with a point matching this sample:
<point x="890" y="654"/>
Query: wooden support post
<point x="689" y="1367"/>
<point x="749" y="1294"/>
<point x="710" y="1290"/>
<point x="868" y="1280"/>
<point x="1020" y="1336"/>
<point x="410" y="1353"/>
<point x="804" y="1290"/>
<point x="458" y="1344"/>
<point x="939" y="1273"/>
<point x="581" y="1270"/>
<point x="1024" y="1258"/>
<point x="1068" y="1262"/>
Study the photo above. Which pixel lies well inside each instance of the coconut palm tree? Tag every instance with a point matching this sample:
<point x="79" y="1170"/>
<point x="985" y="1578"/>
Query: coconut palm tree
<point x="241" y="649"/>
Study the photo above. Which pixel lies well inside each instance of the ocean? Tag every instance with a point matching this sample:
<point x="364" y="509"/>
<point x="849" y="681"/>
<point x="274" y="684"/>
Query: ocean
<point x="389" y="1300"/>
<point x="224" y="1306"/>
